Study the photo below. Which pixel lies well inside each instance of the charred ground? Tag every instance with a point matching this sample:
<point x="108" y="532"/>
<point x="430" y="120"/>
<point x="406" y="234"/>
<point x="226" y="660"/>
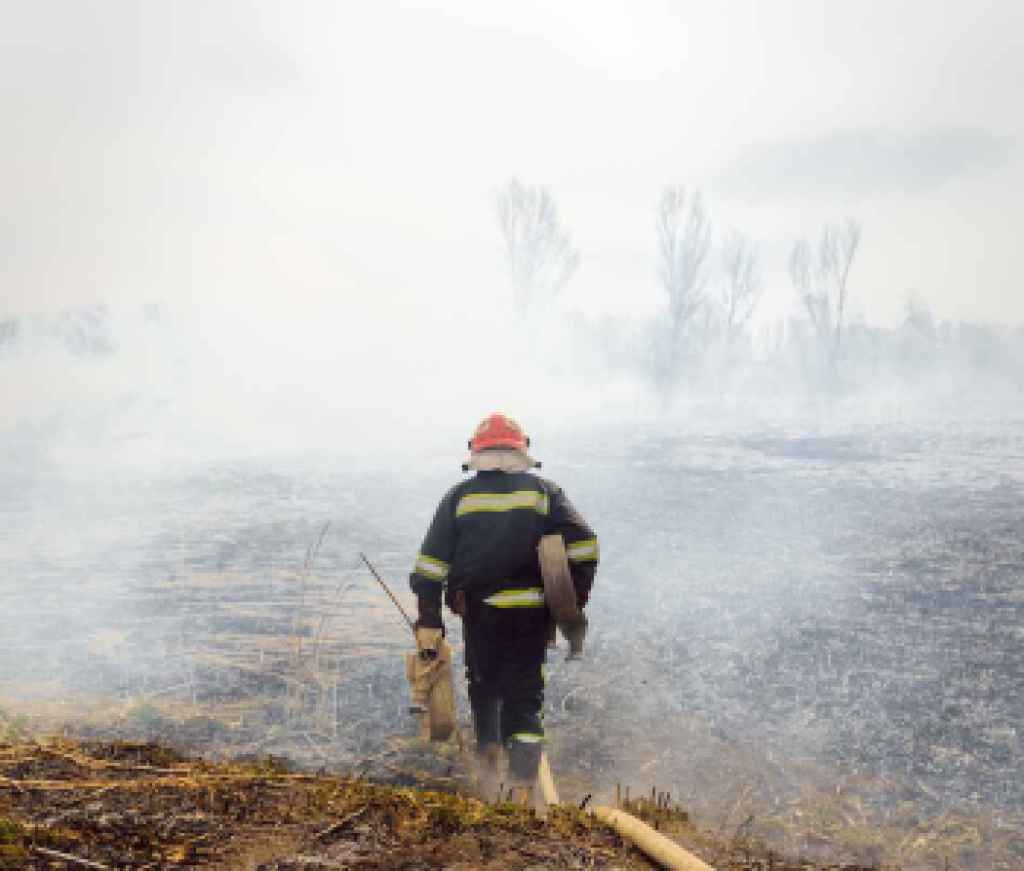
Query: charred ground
<point x="131" y="805"/>
<point x="806" y="635"/>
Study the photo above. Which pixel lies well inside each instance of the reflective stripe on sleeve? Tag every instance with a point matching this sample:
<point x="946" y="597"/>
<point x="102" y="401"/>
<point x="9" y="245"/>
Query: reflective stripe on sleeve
<point x="531" y="597"/>
<point x="430" y="568"/>
<point x="472" y="503"/>
<point x="583" y="551"/>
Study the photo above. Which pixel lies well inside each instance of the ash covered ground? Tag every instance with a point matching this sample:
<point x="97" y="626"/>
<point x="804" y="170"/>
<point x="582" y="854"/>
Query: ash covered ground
<point x="818" y="605"/>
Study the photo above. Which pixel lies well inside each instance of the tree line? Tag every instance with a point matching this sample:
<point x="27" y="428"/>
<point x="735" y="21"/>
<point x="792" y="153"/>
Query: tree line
<point x="710" y="290"/>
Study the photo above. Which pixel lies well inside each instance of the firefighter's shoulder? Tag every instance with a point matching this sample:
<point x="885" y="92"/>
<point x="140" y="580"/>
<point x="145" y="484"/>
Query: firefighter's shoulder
<point x="549" y="486"/>
<point x="456" y="491"/>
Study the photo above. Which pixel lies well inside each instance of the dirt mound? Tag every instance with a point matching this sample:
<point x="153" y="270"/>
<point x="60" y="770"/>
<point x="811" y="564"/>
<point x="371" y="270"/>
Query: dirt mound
<point x="109" y="805"/>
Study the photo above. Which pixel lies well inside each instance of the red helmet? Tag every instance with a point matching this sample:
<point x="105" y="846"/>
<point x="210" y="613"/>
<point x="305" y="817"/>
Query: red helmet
<point x="498" y="431"/>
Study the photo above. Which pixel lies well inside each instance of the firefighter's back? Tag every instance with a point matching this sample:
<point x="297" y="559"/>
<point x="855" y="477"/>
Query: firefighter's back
<point x="499" y="519"/>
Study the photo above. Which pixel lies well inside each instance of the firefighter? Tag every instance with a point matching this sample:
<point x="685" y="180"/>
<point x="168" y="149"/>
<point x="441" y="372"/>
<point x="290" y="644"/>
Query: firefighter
<point x="480" y="554"/>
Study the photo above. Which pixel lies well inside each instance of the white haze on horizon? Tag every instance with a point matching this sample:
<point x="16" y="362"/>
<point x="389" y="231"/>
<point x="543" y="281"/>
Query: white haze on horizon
<point x="224" y="383"/>
<point x="182" y="387"/>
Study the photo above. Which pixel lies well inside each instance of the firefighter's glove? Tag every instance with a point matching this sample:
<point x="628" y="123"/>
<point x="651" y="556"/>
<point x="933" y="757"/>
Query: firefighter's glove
<point x="429" y="614"/>
<point x="428" y="640"/>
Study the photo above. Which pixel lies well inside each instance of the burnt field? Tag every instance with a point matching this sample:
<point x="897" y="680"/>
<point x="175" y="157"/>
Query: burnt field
<point x="808" y="633"/>
<point x="843" y="615"/>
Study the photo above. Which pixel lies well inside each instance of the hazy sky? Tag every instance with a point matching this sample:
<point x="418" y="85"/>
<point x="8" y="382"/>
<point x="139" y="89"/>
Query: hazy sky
<point x="259" y="154"/>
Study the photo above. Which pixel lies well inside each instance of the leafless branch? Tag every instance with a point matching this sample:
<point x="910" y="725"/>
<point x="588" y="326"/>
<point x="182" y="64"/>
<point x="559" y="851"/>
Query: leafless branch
<point x="538" y="250"/>
<point x="742" y="285"/>
<point x="823" y="286"/>
<point x="684" y="241"/>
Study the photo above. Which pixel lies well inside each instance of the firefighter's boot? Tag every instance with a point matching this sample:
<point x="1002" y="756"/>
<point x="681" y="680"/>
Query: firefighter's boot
<point x="488" y="772"/>
<point x="524" y="751"/>
<point x="522" y="794"/>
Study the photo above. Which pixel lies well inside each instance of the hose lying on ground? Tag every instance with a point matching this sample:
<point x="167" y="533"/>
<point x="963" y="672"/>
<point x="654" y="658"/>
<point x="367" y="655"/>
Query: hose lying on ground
<point x="662" y="850"/>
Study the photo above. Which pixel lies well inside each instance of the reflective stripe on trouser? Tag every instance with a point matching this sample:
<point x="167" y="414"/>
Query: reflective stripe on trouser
<point x="505" y="650"/>
<point x="524" y="749"/>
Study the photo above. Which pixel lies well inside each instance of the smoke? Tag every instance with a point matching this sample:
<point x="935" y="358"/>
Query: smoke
<point x="797" y="589"/>
<point x="156" y="388"/>
<point x="806" y="559"/>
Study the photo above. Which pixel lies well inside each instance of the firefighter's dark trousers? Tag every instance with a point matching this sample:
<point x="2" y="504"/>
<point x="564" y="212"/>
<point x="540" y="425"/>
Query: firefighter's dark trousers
<point x="505" y="649"/>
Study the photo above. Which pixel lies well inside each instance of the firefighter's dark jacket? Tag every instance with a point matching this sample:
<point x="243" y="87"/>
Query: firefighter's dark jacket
<point x="484" y="537"/>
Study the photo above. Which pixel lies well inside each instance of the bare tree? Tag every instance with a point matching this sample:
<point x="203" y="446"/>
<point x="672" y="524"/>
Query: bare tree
<point x="802" y="274"/>
<point x="838" y="248"/>
<point x="742" y="285"/>
<point x="684" y="241"/>
<point x="919" y="317"/>
<point x="822" y="283"/>
<point x="538" y="250"/>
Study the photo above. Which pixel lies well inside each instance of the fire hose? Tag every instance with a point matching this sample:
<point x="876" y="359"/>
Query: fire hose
<point x="429" y="672"/>
<point x="560" y="595"/>
<point x="655" y="845"/>
<point x="560" y="592"/>
<point x="439" y="721"/>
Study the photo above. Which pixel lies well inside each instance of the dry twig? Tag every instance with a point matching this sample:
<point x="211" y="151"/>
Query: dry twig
<point x="67" y="857"/>
<point x="340" y="824"/>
